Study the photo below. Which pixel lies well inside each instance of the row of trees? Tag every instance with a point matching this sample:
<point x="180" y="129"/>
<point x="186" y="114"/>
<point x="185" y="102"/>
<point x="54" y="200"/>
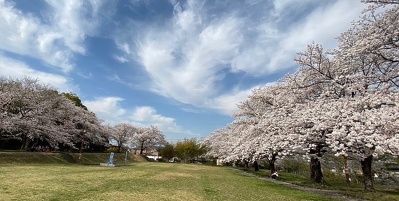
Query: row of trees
<point x="33" y="114"/>
<point x="130" y="136"/>
<point x="187" y="150"/>
<point x="344" y="101"/>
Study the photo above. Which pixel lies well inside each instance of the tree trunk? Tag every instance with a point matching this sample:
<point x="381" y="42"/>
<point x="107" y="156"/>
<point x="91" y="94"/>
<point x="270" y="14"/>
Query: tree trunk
<point x="367" y="173"/>
<point x="81" y="146"/>
<point x="80" y="151"/>
<point x="315" y="166"/>
<point x="256" y="166"/>
<point x="141" y="148"/>
<point x="23" y="139"/>
<point x="315" y="170"/>
<point x="246" y="164"/>
<point x="347" y="173"/>
<point x="25" y="142"/>
<point x="272" y="166"/>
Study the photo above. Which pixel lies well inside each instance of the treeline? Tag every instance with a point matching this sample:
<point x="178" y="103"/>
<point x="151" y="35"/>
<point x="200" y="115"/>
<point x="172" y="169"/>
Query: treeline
<point x="343" y="102"/>
<point x="187" y="150"/>
<point x="36" y="117"/>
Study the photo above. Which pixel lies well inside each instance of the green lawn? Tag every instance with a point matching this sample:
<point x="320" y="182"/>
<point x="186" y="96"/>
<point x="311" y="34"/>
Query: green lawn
<point x="337" y="182"/>
<point x="137" y="181"/>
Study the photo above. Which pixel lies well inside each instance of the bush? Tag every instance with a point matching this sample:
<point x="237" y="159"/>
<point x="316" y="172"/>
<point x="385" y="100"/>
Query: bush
<point x="115" y="150"/>
<point x="295" y="165"/>
<point x="161" y="160"/>
<point x="265" y="165"/>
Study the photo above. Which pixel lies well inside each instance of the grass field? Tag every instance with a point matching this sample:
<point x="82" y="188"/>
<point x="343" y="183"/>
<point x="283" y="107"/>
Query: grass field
<point x="337" y="182"/>
<point x="137" y="181"/>
<point x="63" y="176"/>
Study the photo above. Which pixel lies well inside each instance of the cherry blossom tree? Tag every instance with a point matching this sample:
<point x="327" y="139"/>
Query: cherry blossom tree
<point x="263" y="129"/>
<point x="24" y="102"/>
<point x="33" y="112"/>
<point x="273" y="133"/>
<point x="364" y="129"/>
<point x="122" y="133"/>
<point x="88" y="129"/>
<point x="369" y="52"/>
<point x="220" y="143"/>
<point x="319" y="81"/>
<point x="148" y="138"/>
<point x="358" y="70"/>
<point x="343" y="101"/>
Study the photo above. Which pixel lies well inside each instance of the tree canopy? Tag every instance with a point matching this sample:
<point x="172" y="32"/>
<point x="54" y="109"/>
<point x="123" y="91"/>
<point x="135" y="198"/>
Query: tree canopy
<point x="33" y="113"/>
<point x="342" y="101"/>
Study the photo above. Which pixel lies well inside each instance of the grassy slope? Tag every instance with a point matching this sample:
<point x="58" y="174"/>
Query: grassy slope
<point x="61" y="158"/>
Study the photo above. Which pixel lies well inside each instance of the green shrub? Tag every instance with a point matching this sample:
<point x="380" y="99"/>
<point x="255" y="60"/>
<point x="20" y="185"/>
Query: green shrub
<point x="115" y="150"/>
<point x="295" y="165"/>
<point x="265" y="165"/>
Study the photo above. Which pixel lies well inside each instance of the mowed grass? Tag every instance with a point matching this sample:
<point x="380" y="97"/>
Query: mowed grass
<point x="337" y="182"/>
<point x="138" y="181"/>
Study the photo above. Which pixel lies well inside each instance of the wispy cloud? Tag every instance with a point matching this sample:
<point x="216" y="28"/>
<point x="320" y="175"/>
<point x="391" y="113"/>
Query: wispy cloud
<point x="16" y="69"/>
<point x="55" y="36"/>
<point x="188" y="57"/>
<point x="203" y="56"/>
<point x="190" y="66"/>
<point x="322" y="25"/>
<point x="121" y="59"/>
<point x="184" y="60"/>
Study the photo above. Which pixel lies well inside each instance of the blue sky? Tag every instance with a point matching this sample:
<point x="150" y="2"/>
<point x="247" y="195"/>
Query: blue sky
<point x="180" y="65"/>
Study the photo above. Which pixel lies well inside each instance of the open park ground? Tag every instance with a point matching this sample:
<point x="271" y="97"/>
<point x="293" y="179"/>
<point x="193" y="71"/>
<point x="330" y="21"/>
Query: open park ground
<point x="40" y="176"/>
<point x="138" y="181"/>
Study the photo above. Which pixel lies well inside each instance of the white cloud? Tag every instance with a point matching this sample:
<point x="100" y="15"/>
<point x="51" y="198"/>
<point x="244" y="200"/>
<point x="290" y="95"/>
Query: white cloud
<point x="110" y="110"/>
<point x="227" y="103"/>
<point x="56" y="38"/>
<point x="124" y="47"/>
<point x="121" y="59"/>
<point x="183" y="61"/>
<point x="146" y="116"/>
<point x="14" y="68"/>
<point x="188" y="56"/>
<point x="107" y="108"/>
<point x="322" y="26"/>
